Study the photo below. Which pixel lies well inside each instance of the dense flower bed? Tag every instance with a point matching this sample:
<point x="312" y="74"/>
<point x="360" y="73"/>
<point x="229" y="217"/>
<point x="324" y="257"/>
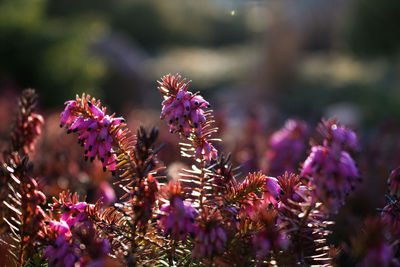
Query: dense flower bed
<point x="208" y="215"/>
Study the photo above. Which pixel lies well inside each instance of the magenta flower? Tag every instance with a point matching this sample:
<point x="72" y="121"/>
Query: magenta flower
<point x="272" y="190"/>
<point x="67" y="116"/>
<point x="338" y="137"/>
<point x="185" y="113"/>
<point x="73" y="233"/>
<point x="178" y="219"/>
<point x="182" y="109"/>
<point x="250" y="206"/>
<point x="206" y="151"/>
<point x="61" y="227"/>
<point x="94" y="128"/>
<point x="74" y="214"/>
<point x="287" y="147"/>
<point x="62" y="253"/>
<point x="332" y="175"/>
<point x="209" y="241"/>
<point x="106" y="193"/>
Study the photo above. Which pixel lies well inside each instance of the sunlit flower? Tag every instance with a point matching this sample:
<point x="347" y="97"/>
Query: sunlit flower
<point x="206" y="151"/>
<point x="94" y="128"/>
<point x="182" y="109"/>
<point x="178" y="218"/>
<point x="272" y="190"/>
<point x="62" y="253"/>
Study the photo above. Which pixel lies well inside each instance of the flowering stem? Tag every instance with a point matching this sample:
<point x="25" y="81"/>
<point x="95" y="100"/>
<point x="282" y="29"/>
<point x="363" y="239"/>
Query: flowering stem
<point x="21" y="246"/>
<point x="300" y="228"/>
<point x="172" y="253"/>
<point x="203" y="164"/>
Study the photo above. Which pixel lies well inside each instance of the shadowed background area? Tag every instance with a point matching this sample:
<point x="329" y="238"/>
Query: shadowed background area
<point x="257" y="62"/>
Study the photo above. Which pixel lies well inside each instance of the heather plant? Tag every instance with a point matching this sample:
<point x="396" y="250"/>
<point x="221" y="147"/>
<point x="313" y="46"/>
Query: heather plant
<point x="210" y="215"/>
<point x="378" y="242"/>
<point x="287" y="147"/>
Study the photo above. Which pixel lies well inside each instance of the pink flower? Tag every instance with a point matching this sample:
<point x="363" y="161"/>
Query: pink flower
<point x="73" y="233"/>
<point x="287" y="147"/>
<point x="339" y="137"/>
<point x="62" y="253"/>
<point x="206" y="151"/>
<point x="209" y="241"/>
<point x="178" y="220"/>
<point x="182" y="109"/>
<point x="251" y="205"/>
<point x="67" y="116"/>
<point x="332" y="174"/>
<point x="185" y="113"/>
<point x="61" y="227"/>
<point x="94" y="128"/>
<point x="272" y="190"/>
<point x="74" y="213"/>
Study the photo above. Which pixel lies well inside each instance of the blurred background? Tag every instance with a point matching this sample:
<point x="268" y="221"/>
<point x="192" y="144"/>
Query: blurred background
<point x="258" y="63"/>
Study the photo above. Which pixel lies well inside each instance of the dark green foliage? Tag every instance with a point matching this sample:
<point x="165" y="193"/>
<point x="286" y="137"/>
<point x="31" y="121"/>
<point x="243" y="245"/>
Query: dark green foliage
<point x="49" y="54"/>
<point x="167" y="22"/>
<point x="374" y="29"/>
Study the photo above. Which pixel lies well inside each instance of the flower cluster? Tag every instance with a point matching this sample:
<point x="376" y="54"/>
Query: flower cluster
<point x="206" y="215"/>
<point x="94" y="128"/>
<point x="183" y="109"/>
<point x="178" y="220"/>
<point x="338" y="137"/>
<point x="287" y="147"/>
<point x="61" y="253"/>
<point x="74" y="232"/>
<point x="330" y="169"/>
<point x="186" y="115"/>
<point x="177" y="216"/>
<point x="210" y="240"/>
<point x="205" y="150"/>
